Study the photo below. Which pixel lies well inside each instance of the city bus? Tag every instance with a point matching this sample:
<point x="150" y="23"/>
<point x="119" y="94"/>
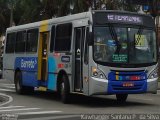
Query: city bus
<point x="91" y="53"/>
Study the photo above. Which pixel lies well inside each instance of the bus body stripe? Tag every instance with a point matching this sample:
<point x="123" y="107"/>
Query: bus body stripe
<point x="40" y="58"/>
<point x="117" y="75"/>
<point x="52" y="81"/>
<point x="44" y="26"/>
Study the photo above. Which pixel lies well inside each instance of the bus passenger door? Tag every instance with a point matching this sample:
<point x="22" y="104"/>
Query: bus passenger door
<point x="86" y="64"/>
<point x="43" y="56"/>
<point x="79" y="46"/>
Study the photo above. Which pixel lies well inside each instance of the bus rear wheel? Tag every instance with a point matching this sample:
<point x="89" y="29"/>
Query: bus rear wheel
<point x="121" y="98"/>
<point x="20" y="89"/>
<point x="18" y="83"/>
<point x="64" y="90"/>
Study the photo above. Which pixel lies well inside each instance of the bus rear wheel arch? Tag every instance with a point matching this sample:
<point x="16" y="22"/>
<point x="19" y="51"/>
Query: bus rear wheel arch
<point x="20" y="89"/>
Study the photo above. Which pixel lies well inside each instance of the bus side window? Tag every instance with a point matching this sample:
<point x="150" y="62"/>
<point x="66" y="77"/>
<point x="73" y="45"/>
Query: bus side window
<point x="52" y="40"/>
<point x="10" y="43"/>
<point x="86" y="47"/>
<point x="32" y="40"/>
<point x="63" y="37"/>
<point x="20" y="41"/>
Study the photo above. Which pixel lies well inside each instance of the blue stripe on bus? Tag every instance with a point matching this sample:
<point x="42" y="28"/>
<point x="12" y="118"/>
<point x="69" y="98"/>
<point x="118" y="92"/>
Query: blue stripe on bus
<point x="29" y="79"/>
<point x="52" y="81"/>
<point x="115" y="86"/>
<point x="28" y="67"/>
<point x="42" y="83"/>
<point x="26" y="63"/>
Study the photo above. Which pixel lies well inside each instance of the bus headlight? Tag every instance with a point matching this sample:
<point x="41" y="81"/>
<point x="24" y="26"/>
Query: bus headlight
<point x="153" y="74"/>
<point x="97" y="73"/>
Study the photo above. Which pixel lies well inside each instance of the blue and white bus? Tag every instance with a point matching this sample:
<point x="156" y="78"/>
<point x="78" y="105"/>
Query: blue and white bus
<point x="90" y="53"/>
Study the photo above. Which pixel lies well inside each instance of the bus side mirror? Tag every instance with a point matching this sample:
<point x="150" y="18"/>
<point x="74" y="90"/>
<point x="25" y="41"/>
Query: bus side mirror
<point x="90" y="38"/>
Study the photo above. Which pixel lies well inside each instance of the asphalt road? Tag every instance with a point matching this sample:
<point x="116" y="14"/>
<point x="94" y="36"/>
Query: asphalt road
<point x="47" y="106"/>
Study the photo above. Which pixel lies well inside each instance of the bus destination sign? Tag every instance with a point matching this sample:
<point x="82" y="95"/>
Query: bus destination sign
<point x="125" y="18"/>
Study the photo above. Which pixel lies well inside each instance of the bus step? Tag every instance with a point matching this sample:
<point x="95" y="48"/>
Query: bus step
<point x="41" y="88"/>
<point x="78" y="90"/>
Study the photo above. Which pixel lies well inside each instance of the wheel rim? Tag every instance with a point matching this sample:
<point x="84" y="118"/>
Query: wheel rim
<point x="62" y="89"/>
<point x="18" y="86"/>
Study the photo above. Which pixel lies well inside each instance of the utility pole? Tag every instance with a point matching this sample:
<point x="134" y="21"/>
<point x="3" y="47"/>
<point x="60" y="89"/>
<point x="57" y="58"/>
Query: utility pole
<point x="11" y="16"/>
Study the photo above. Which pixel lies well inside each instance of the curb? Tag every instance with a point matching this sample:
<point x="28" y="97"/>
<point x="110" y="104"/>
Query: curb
<point x="5" y="99"/>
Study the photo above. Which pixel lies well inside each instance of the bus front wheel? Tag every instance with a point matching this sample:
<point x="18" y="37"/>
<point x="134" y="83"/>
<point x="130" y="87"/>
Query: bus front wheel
<point x="64" y="90"/>
<point x="121" y="97"/>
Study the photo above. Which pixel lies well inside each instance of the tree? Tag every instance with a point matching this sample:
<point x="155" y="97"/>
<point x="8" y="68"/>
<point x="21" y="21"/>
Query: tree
<point x="81" y="6"/>
<point x="117" y="5"/>
<point x="33" y="10"/>
<point x="4" y="16"/>
<point x="26" y="11"/>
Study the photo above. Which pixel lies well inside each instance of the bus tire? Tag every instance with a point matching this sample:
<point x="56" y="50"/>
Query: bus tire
<point x="18" y="83"/>
<point x="20" y="89"/>
<point x="64" y="90"/>
<point x="121" y="98"/>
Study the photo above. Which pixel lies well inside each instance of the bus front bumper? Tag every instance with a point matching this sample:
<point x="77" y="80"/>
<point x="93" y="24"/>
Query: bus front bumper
<point x="152" y="85"/>
<point x="98" y="86"/>
<point x="101" y="87"/>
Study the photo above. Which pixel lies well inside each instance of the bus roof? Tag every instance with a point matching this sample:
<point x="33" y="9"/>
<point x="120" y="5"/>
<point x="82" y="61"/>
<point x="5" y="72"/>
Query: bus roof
<point x="69" y="18"/>
<point x="57" y="20"/>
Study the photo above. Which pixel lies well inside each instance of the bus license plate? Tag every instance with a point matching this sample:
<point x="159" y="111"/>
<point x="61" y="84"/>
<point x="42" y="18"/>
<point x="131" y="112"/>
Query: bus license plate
<point x="128" y="84"/>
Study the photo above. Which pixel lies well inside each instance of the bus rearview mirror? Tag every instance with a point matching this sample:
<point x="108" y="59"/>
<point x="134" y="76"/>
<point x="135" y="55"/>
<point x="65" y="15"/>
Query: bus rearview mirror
<point x="90" y="38"/>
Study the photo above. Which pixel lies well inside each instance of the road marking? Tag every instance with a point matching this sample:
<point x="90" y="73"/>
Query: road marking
<point x="8" y="90"/>
<point x="11" y="107"/>
<point x="40" y="112"/>
<point x="3" y="84"/>
<point x="19" y="109"/>
<point x="9" y="86"/>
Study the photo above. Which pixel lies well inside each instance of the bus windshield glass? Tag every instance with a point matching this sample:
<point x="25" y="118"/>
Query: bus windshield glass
<point x="124" y="45"/>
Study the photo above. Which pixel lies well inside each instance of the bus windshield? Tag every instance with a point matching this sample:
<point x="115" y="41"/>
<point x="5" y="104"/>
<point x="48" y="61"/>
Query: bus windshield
<point x="124" y="45"/>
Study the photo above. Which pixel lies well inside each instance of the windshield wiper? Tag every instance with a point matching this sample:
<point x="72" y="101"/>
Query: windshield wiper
<point x="114" y="37"/>
<point x="113" y="33"/>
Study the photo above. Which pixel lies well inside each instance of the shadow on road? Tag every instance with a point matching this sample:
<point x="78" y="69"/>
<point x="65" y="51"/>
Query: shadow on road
<point x="86" y="101"/>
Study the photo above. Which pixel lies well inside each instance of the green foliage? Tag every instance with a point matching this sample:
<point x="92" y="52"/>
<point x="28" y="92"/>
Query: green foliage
<point x="26" y="11"/>
<point x="4" y="16"/>
<point x="117" y="5"/>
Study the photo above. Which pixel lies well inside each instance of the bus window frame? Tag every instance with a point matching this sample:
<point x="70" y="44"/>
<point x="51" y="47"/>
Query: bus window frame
<point x="122" y="64"/>
<point x="52" y="41"/>
<point x="71" y="37"/>
<point x="6" y="45"/>
<point x="32" y="52"/>
<point x="21" y="41"/>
